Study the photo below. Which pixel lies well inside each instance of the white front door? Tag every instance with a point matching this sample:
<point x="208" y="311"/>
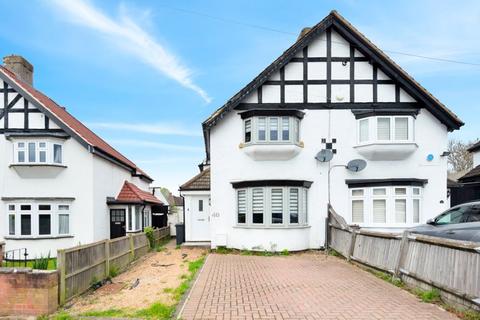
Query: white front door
<point x="199" y="218"/>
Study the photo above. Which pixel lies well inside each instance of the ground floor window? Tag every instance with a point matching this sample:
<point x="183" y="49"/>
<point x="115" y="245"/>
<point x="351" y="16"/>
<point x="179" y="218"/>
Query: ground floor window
<point x="38" y="219"/>
<point x="272" y="206"/>
<point x="386" y="205"/>
<point x="138" y="217"/>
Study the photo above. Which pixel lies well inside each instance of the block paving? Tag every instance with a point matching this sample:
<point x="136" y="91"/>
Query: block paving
<point x="304" y="286"/>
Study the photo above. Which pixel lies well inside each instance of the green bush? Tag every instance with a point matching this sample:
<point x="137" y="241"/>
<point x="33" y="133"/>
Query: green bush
<point x="150" y="236"/>
<point x="113" y="272"/>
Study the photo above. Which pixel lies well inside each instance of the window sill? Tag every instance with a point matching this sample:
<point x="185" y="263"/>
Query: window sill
<point x="37" y="237"/>
<point x="272" y="151"/>
<point x="272" y="227"/>
<point x="56" y="165"/>
<point x="378" y="151"/>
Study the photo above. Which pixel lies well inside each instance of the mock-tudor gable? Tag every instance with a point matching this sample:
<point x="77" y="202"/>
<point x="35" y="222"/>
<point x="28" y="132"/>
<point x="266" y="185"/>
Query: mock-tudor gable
<point x="334" y="66"/>
<point x="26" y="111"/>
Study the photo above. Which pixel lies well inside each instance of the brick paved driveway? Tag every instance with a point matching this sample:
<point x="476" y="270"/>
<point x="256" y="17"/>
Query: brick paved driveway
<point x="307" y="286"/>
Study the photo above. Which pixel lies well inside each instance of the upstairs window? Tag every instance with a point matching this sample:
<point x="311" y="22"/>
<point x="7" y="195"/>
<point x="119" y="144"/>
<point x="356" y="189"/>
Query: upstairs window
<point x="385" y="129"/>
<point x="38" y="152"/>
<point x="272" y="129"/>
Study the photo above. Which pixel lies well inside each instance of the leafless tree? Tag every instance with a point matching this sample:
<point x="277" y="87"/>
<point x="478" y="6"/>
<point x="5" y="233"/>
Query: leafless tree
<point x="459" y="159"/>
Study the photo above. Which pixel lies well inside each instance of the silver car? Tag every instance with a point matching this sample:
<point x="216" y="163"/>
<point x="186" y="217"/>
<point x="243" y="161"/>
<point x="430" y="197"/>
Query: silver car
<point x="461" y="222"/>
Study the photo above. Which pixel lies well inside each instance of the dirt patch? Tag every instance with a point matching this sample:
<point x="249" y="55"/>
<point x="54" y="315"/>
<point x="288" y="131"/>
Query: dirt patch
<point x="148" y="281"/>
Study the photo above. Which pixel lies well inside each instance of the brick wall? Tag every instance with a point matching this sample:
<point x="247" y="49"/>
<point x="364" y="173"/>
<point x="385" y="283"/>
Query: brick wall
<point x="24" y="291"/>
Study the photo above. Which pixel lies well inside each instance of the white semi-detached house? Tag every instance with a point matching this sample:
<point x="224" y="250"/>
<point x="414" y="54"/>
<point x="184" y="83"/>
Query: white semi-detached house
<point x="332" y="89"/>
<point x="60" y="184"/>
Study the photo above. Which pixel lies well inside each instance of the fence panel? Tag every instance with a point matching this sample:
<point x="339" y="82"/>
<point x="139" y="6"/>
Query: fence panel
<point x="379" y="252"/>
<point x="80" y="266"/>
<point x="449" y="265"/>
<point x="340" y="240"/>
<point x="454" y="269"/>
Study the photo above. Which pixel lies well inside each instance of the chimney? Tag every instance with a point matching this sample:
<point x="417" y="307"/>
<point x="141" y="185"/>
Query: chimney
<point x="20" y="66"/>
<point x="303" y="32"/>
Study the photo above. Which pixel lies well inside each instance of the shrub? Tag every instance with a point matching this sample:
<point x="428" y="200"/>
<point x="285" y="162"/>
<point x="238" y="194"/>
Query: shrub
<point x="41" y="263"/>
<point x="113" y="272"/>
<point x="150" y="236"/>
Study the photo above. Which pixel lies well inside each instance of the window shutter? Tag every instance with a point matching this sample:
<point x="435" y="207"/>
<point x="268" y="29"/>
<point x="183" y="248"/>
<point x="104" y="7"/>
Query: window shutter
<point x="277" y="206"/>
<point x="401" y="128"/>
<point x="305" y="205"/>
<point x="400" y="210"/>
<point x="293" y="205"/>
<point x="379" y="211"/>
<point x="248" y="130"/>
<point x="383" y="128"/>
<point x="242" y="206"/>
<point x="257" y="205"/>
<point x="357" y="211"/>
<point x="364" y="130"/>
<point x="416" y="210"/>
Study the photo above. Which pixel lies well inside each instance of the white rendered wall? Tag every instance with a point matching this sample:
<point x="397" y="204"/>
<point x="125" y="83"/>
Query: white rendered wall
<point x="230" y="163"/>
<point x="75" y="181"/>
<point x="107" y="181"/>
<point x="476" y="158"/>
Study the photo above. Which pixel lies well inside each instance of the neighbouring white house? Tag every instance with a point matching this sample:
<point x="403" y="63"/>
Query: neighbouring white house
<point x="60" y="184"/>
<point x="262" y="187"/>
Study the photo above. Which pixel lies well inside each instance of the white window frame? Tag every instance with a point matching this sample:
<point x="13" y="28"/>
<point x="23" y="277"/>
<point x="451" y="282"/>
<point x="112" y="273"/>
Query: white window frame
<point x="373" y="130"/>
<point x="48" y="149"/>
<point x="390" y="197"/>
<point x="267" y="207"/>
<point x="34" y="214"/>
<point x="293" y="130"/>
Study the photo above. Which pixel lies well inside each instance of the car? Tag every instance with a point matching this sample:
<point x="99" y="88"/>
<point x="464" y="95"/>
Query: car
<point x="461" y="222"/>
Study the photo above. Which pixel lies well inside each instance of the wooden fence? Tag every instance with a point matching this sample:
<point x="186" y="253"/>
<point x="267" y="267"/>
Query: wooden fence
<point x="79" y="267"/>
<point x="451" y="266"/>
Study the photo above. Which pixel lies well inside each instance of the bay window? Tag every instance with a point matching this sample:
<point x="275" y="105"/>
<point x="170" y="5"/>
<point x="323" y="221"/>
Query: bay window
<point x="271" y="126"/>
<point x="272" y="206"/>
<point x="389" y="205"/>
<point x="37" y="152"/>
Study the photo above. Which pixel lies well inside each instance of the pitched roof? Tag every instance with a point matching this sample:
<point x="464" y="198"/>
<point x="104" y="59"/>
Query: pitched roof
<point x="178" y="201"/>
<point x="200" y="182"/>
<point x="363" y="44"/>
<point x="474" y="173"/>
<point x="474" y="147"/>
<point x="130" y="193"/>
<point x="67" y="122"/>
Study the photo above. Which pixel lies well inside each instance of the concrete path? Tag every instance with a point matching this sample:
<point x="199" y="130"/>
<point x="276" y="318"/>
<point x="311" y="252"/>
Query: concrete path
<point x="306" y="286"/>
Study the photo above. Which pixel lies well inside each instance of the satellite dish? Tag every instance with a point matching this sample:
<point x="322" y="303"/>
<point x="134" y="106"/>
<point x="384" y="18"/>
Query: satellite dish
<point x="356" y="165"/>
<point x="325" y="155"/>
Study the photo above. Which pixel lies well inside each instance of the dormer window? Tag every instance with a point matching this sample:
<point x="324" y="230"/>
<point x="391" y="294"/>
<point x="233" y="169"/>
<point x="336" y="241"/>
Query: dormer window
<point x="385" y="129"/>
<point x="38" y="152"/>
<point x="272" y="126"/>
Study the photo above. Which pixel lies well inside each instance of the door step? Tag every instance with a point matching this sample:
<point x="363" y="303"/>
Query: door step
<point x="197" y="244"/>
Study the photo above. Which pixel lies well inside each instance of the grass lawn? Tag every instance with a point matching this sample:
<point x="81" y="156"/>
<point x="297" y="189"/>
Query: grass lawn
<point x="52" y="264"/>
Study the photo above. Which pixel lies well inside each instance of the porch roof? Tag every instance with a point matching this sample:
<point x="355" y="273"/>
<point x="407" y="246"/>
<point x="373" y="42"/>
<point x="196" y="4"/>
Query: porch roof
<point x="130" y="193"/>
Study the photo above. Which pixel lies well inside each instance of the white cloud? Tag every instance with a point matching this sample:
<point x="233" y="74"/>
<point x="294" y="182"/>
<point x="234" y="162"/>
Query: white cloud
<point x="132" y="38"/>
<point x="156" y="128"/>
<point x="154" y="145"/>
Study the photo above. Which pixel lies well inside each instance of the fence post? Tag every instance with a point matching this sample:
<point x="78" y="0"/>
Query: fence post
<point x="107" y="258"/>
<point x="401" y="253"/>
<point x="61" y="268"/>
<point x="352" y="245"/>
<point x="132" y="247"/>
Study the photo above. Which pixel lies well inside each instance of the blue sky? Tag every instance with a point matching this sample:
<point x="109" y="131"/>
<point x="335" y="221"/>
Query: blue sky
<point x="145" y="74"/>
